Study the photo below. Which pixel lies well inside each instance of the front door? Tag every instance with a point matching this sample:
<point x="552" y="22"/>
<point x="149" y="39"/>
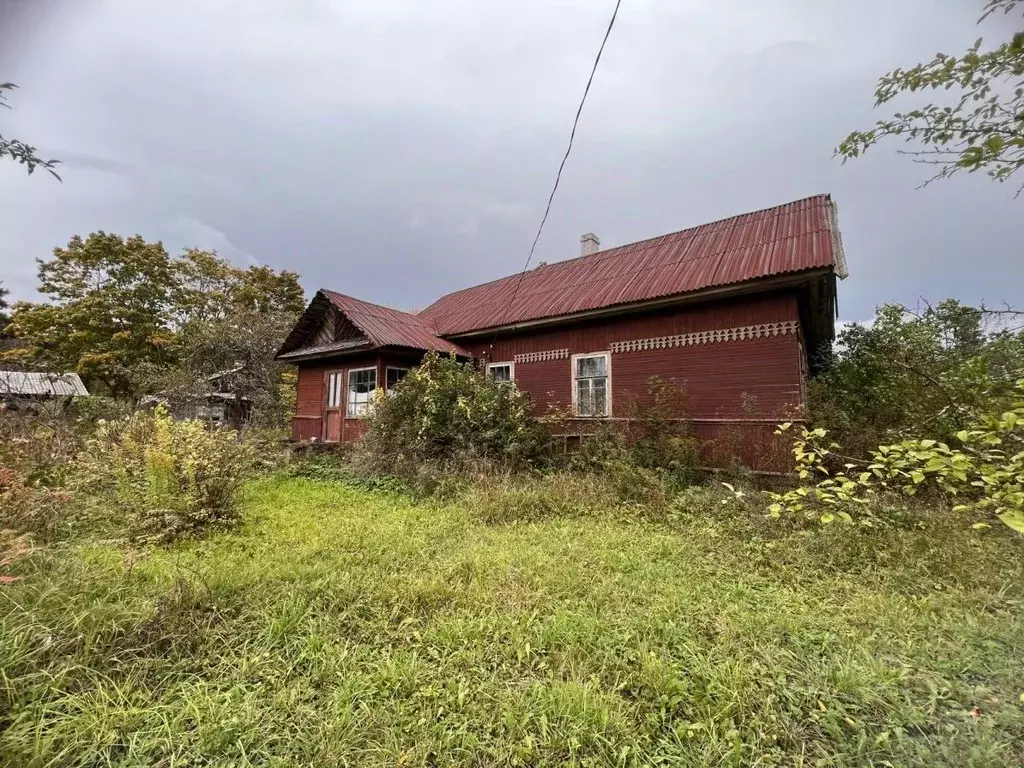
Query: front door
<point x="334" y="402"/>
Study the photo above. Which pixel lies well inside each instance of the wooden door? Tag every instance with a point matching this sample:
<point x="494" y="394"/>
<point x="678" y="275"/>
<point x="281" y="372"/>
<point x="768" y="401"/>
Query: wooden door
<point x="334" y="404"/>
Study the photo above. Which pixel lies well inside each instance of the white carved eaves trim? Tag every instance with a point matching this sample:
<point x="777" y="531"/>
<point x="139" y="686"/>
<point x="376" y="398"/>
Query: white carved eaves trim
<point x="761" y="331"/>
<point x="542" y="357"/>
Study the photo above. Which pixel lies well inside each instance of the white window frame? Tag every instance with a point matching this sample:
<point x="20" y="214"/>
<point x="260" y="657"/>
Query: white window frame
<point x="349" y="392"/>
<point x="608" y="385"/>
<point x="511" y="369"/>
<point x="392" y="368"/>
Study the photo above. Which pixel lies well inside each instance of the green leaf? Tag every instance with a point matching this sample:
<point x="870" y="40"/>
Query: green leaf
<point x="1014" y="520"/>
<point x="980" y="526"/>
<point x="828" y="517"/>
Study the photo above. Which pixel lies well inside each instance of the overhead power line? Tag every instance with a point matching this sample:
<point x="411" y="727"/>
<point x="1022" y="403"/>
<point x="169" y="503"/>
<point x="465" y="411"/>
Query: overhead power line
<point x="568" y="149"/>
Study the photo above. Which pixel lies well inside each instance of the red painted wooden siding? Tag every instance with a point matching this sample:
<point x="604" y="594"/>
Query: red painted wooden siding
<point x="747" y="378"/>
<point x="311" y="393"/>
<point x="736" y="390"/>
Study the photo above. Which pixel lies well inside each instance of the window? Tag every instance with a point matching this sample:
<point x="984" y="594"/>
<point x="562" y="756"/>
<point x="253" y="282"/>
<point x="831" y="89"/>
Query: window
<point x="362" y="383"/>
<point x="500" y="371"/>
<point x="334" y="390"/>
<point x="393" y="376"/>
<point x="590" y="384"/>
<point x="212" y="412"/>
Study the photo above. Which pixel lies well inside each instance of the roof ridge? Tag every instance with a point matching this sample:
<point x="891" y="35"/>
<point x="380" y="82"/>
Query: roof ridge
<point x="608" y="251"/>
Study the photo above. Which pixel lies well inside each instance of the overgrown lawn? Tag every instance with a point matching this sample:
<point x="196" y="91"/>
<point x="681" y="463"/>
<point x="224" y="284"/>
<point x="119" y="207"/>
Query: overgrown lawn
<point x="341" y="627"/>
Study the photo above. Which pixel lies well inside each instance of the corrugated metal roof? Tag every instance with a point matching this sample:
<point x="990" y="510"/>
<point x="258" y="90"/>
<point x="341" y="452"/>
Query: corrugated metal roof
<point x="387" y="327"/>
<point x="794" y="237"/>
<point x="41" y="384"/>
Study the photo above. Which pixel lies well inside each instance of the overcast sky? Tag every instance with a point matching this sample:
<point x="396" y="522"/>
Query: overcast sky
<point x="400" y="149"/>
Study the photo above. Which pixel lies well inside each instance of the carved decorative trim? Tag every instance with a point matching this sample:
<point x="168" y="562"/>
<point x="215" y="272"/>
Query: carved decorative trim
<point x="760" y="331"/>
<point x="541" y="357"/>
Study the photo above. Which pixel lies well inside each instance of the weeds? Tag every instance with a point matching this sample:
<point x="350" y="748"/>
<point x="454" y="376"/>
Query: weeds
<point x="163" y="479"/>
<point x="342" y="627"/>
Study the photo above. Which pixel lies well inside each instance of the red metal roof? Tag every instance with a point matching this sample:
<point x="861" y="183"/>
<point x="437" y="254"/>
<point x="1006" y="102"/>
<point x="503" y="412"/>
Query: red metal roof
<point x="794" y="237"/>
<point x="387" y="327"/>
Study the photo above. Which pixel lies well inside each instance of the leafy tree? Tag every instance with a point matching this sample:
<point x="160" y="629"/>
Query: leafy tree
<point x="243" y="343"/>
<point x="982" y="129"/>
<point x="228" y="317"/>
<point x="19" y="151"/>
<point x="107" y="316"/>
<point x="131" y="318"/>
<point x="910" y="373"/>
<point x="211" y="288"/>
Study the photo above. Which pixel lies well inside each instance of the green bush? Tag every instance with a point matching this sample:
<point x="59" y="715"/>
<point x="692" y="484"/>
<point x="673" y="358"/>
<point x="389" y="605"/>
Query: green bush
<point x="983" y="467"/>
<point x="449" y="414"/>
<point x="164" y="479"/>
<point x="936" y="370"/>
<point x="661" y="433"/>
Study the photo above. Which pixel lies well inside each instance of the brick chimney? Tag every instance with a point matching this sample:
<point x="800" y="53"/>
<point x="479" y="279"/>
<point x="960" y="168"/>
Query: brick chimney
<point x="589" y="244"/>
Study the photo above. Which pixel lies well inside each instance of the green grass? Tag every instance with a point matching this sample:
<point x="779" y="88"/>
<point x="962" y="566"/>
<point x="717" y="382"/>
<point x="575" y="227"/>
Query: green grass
<point x="341" y="627"/>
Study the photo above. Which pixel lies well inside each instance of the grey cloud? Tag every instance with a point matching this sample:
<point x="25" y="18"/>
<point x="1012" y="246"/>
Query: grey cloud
<point x="397" y="150"/>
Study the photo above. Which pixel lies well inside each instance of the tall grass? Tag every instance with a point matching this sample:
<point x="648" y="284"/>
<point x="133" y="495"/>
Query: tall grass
<point x="345" y="627"/>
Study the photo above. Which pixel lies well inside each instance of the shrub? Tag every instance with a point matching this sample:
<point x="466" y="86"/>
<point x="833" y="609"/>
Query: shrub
<point x="944" y="367"/>
<point x="26" y="508"/>
<point x="985" y="467"/>
<point x="39" y="444"/>
<point x="165" y="479"/>
<point x="448" y="413"/>
<point x="660" y="430"/>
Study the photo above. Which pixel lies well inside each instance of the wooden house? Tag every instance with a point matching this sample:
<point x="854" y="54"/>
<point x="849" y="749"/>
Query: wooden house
<point x="734" y="311"/>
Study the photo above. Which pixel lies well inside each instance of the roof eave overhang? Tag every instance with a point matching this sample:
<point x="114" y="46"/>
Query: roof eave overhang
<point x="298" y="357"/>
<point x="760" y="285"/>
<point x="841" y="269"/>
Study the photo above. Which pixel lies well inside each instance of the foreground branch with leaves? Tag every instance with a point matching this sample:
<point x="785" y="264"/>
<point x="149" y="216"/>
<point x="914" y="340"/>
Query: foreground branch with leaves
<point x="981" y="129"/>
<point x="19" y="151"/>
<point x="985" y="469"/>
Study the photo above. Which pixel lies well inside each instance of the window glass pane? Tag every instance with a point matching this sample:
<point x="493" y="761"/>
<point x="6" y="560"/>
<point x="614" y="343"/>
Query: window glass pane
<point x="590" y="366"/>
<point x="361" y="385"/>
<point x="600" y="397"/>
<point x="395" y="375"/>
<point x="592" y="385"/>
<point x="584" y="401"/>
<point x="500" y="372"/>
<point x="333" y="390"/>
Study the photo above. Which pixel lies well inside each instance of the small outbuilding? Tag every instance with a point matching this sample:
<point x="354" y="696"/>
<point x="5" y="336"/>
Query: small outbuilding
<point x="23" y="390"/>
